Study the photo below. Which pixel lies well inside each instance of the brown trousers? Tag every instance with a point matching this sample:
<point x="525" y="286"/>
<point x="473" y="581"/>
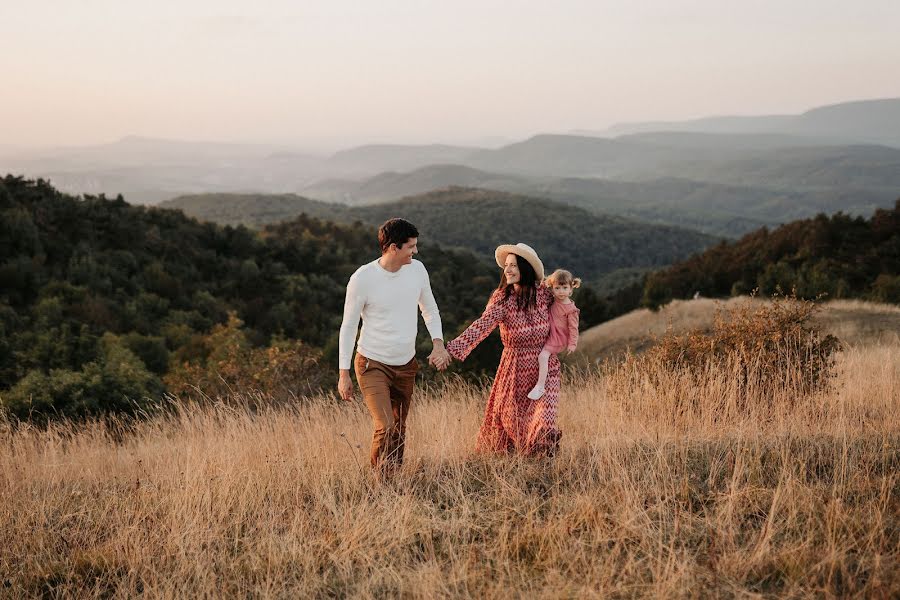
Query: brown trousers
<point x="387" y="391"/>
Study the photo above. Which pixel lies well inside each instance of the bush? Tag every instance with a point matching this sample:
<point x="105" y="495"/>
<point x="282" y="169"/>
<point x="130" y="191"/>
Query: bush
<point x="116" y="382"/>
<point x="887" y="288"/>
<point x="150" y="349"/>
<point x="225" y="364"/>
<point x="762" y="353"/>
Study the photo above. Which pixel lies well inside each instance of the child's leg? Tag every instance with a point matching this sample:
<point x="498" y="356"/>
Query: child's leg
<point x="543" y="361"/>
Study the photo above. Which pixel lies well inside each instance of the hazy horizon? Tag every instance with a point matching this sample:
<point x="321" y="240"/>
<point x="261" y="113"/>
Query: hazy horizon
<point x="324" y="76"/>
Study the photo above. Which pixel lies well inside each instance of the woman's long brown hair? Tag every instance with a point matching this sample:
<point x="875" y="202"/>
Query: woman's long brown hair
<point x="526" y="299"/>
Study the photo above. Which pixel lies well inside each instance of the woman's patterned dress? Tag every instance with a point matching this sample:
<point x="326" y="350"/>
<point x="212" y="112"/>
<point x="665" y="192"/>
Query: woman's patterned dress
<point x="512" y="422"/>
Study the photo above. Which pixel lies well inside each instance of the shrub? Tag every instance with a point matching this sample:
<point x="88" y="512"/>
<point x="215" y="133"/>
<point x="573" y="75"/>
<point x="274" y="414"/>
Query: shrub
<point x="116" y="382"/>
<point x="762" y="353"/>
<point x="228" y="365"/>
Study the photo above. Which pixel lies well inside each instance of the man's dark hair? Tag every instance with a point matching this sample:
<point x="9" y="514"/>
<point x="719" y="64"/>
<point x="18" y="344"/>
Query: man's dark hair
<point x="396" y="231"/>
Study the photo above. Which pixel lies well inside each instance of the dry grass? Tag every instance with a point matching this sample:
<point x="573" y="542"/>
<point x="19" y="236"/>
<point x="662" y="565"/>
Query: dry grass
<point x="771" y="352"/>
<point x="853" y="322"/>
<point x="798" y="501"/>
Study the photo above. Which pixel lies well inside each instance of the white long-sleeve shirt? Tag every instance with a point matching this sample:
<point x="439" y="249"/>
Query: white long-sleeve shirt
<point x="387" y="304"/>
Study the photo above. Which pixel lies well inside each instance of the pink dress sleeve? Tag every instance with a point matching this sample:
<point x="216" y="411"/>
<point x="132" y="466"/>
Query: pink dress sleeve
<point x="572" y="318"/>
<point x="547" y="293"/>
<point x="480" y="328"/>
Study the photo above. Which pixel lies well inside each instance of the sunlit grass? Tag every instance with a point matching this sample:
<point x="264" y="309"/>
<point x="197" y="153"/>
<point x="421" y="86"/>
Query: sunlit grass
<point x="797" y="500"/>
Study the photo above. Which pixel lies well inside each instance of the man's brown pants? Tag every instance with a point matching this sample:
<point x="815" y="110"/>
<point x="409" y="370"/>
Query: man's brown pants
<point x="387" y="391"/>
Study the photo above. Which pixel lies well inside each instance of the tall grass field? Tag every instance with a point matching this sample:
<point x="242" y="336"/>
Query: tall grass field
<point x="673" y="481"/>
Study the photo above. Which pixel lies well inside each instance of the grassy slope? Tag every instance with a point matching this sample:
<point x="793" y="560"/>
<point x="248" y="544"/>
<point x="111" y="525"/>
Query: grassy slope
<point x="226" y="502"/>
<point x="852" y="321"/>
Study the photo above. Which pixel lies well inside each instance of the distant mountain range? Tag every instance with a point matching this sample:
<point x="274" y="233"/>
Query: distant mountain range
<point x="700" y="157"/>
<point x="867" y="121"/>
<point x="593" y="245"/>
<point x="720" y="175"/>
<point x="377" y="158"/>
<point x="391" y="185"/>
<point x="715" y="208"/>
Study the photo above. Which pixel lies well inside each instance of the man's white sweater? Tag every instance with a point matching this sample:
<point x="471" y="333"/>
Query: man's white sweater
<point x="387" y="304"/>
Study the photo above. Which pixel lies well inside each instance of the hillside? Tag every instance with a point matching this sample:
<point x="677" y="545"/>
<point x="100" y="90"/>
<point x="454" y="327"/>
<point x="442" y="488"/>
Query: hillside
<point x="849" y="167"/>
<point x="568" y="155"/>
<point x="839" y="256"/>
<point x="875" y="121"/>
<point x="860" y="167"/>
<point x="254" y="210"/>
<point x="100" y="300"/>
<point x="714" y="208"/>
<point x="836" y="150"/>
<point x="694" y="140"/>
<point x="392" y="185"/>
<point x="480" y="220"/>
<point x="395" y="157"/>
<point x="854" y="322"/>
<point x="589" y="244"/>
<point x="795" y="497"/>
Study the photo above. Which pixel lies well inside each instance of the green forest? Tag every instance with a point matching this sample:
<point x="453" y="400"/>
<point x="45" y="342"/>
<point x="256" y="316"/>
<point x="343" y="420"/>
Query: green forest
<point x="823" y="257"/>
<point x="105" y="306"/>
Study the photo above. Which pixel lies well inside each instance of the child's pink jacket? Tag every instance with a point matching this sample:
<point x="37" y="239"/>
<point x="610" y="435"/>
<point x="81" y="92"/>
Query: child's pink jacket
<point x="563" y="327"/>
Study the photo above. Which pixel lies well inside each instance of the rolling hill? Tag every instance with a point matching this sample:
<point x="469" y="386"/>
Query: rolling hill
<point x="100" y="299"/>
<point x="479" y="220"/>
<point x="714" y="208"/>
<point x="865" y="121"/>
<point x="392" y="185"/>
<point x="255" y="210"/>
<point x="850" y="167"/>
<point x="836" y="149"/>
<point x="395" y="157"/>
<point x="838" y="256"/>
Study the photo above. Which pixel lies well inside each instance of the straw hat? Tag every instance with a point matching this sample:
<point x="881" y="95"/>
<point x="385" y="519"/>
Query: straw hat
<point x="523" y="250"/>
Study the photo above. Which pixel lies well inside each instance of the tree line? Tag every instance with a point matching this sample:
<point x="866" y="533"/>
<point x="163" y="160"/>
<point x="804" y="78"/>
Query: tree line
<point x="105" y="306"/>
<point x="829" y="257"/>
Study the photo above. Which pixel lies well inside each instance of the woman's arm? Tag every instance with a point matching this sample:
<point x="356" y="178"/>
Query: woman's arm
<point x="547" y="294"/>
<point x="480" y="328"/>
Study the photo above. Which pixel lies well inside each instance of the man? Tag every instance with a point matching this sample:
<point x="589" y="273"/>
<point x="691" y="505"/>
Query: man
<point x="385" y="293"/>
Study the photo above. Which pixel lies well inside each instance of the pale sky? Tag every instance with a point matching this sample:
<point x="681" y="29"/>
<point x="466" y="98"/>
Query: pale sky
<point x="335" y="73"/>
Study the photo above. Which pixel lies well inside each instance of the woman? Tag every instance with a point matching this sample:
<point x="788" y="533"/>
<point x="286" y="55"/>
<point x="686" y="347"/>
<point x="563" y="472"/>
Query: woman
<point x="521" y="307"/>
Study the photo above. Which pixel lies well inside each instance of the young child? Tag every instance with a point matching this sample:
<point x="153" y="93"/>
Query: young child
<point x="563" y="325"/>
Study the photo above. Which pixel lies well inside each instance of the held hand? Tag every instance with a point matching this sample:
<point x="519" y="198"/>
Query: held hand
<point x="345" y="387"/>
<point x="439" y="358"/>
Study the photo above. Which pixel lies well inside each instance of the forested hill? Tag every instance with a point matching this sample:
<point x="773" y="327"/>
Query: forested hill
<point x="589" y="244"/>
<point x="100" y="300"/>
<point x="839" y="256"/>
<point x="566" y="236"/>
<point x="255" y="210"/>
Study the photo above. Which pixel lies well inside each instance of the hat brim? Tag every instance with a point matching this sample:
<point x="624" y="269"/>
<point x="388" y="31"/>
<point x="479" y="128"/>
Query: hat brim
<point x="504" y="250"/>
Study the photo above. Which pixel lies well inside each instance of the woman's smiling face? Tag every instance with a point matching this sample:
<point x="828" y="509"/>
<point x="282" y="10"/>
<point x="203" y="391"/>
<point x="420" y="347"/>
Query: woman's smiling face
<point x="511" y="269"/>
